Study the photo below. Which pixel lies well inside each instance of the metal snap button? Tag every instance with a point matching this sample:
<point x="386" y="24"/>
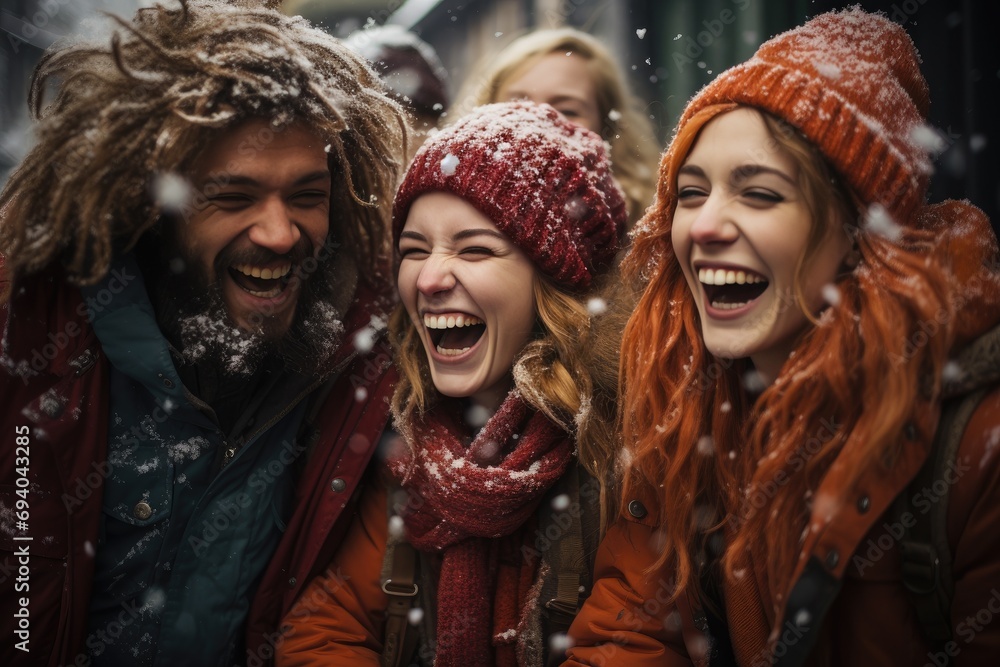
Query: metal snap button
<point x="338" y="485"/>
<point x="637" y="509"/>
<point x="832" y="558"/>
<point x="142" y="510"/>
<point x="864" y="504"/>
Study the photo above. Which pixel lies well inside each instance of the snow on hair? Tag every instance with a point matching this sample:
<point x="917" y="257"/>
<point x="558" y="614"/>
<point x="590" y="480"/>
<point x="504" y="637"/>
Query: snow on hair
<point x="146" y="103"/>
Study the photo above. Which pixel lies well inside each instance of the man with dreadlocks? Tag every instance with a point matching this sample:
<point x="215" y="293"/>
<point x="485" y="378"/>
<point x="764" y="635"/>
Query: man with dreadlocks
<point x="194" y="284"/>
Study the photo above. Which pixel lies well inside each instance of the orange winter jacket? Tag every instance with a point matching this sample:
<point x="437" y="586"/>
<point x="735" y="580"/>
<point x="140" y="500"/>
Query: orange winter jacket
<point x="849" y="606"/>
<point x="340" y="617"/>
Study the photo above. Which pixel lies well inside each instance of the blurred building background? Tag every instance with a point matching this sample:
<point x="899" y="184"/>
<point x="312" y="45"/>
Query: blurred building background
<point x="669" y="49"/>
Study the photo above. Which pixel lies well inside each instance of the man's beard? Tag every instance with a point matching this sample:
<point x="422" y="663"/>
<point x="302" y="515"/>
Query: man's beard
<point x="191" y="311"/>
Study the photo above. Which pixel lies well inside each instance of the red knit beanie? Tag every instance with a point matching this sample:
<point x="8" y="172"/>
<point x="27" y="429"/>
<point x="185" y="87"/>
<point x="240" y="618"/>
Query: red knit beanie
<point x="543" y="181"/>
<point x="850" y="82"/>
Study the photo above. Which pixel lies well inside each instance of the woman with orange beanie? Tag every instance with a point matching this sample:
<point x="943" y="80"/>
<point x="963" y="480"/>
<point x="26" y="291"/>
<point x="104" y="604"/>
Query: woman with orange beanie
<point x="811" y="381"/>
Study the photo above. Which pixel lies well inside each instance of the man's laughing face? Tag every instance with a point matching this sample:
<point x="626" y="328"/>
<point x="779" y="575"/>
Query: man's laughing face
<point x="263" y="208"/>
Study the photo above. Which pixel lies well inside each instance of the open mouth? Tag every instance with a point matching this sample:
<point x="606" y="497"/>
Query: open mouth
<point x="729" y="289"/>
<point x="455" y="333"/>
<point x="261" y="282"/>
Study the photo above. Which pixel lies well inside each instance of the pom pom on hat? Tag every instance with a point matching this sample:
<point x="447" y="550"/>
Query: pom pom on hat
<point x="850" y="81"/>
<point x="545" y="182"/>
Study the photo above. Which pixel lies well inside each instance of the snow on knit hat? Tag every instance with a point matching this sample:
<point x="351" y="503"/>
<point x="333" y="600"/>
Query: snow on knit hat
<point x="543" y="181"/>
<point x="850" y="81"/>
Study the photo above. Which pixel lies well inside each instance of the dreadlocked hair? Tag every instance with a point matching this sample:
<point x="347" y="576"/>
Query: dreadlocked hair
<point x="837" y="407"/>
<point x="568" y="372"/>
<point x="144" y="105"/>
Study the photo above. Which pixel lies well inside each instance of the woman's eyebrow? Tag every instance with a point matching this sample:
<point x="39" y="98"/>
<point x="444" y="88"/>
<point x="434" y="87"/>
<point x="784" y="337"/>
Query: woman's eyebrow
<point x="745" y="171"/>
<point x="468" y="233"/>
<point x="739" y="173"/>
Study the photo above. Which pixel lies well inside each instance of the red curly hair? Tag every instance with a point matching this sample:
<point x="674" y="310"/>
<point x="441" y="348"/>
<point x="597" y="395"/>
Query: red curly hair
<point x="839" y="403"/>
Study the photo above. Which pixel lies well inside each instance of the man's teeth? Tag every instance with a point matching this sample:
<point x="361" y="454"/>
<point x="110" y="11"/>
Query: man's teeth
<point x="269" y="294"/>
<point x="450" y="321"/>
<point x="265" y="273"/>
<point x="728" y="277"/>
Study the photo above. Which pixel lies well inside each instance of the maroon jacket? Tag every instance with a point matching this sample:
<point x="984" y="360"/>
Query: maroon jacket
<point x="54" y="384"/>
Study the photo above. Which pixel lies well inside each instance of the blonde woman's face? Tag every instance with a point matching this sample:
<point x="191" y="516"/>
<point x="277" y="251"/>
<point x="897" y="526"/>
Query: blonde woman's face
<point x="741" y="226"/>
<point x="468" y="290"/>
<point x="560" y="80"/>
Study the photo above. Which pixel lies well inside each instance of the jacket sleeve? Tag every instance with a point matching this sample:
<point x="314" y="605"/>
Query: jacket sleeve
<point x="628" y="618"/>
<point x="339" y="618"/>
<point x="973" y="517"/>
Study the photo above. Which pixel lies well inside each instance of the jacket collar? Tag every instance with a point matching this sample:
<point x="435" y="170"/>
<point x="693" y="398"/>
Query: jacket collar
<point x="975" y="367"/>
<point x="45" y="328"/>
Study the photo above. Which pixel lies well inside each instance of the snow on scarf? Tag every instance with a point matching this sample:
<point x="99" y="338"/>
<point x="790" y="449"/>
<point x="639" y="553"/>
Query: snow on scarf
<point x="471" y="496"/>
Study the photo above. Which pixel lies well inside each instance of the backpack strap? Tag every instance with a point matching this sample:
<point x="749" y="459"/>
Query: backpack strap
<point x="399" y="582"/>
<point x="572" y="553"/>
<point x="568" y="549"/>
<point x="924" y="550"/>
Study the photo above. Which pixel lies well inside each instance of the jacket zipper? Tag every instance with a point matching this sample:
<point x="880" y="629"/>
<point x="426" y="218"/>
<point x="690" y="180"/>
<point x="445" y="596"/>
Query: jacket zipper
<point x="233" y="449"/>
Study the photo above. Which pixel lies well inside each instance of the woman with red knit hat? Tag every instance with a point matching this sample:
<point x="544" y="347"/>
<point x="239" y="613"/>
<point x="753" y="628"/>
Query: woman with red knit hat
<point x="811" y="381"/>
<point x="506" y="225"/>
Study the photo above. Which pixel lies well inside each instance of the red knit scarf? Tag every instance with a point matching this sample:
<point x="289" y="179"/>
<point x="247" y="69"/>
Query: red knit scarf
<point x="471" y="495"/>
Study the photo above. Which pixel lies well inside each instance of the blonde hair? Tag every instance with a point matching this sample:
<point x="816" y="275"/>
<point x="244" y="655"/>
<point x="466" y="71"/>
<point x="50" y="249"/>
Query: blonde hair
<point x="148" y="102"/>
<point x="569" y="372"/>
<point x="634" y="148"/>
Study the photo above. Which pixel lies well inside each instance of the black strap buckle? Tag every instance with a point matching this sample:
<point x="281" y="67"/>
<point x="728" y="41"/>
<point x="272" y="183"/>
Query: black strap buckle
<point x="921" y="567"/>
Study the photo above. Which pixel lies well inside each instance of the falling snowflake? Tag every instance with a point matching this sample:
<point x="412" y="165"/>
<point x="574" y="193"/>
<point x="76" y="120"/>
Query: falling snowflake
<point x="640" y="33"/>
<point x="928" y="138"/>
<point x="476" y="416"/>
<point x="560" y="642"/>
<point x="364" y="340"/>
<point x="952" y="372"/>
<point x="831" y="294"/>
<point x="172" y="192"/>
<point x="597" y="306"/>
<point x="396" y="526"/>
<point x="878" y="221"/>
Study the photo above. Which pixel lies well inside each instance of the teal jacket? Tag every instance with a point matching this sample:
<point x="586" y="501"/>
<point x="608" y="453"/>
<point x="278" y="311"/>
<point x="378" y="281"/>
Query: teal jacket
<point x="186" y="532"/>
<point x="138" y="534"/>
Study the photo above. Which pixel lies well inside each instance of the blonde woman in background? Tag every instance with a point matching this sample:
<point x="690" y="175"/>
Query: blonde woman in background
<point x="576" y="74"/>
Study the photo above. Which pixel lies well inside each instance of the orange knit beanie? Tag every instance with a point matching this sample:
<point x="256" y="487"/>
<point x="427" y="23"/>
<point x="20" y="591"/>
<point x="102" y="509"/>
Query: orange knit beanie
<point x="850" y="82"/>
